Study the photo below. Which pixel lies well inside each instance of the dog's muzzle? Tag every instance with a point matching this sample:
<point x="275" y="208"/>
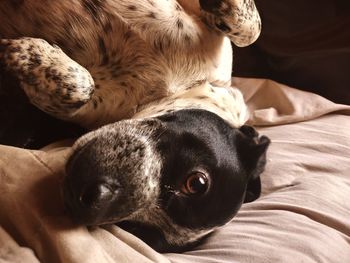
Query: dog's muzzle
<point x="112" y="172"/>
<point x="180" y="174"/>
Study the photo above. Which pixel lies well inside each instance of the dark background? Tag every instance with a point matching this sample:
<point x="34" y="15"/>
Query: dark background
<point x="304" y="44"/>
<point x="22" y="124"/>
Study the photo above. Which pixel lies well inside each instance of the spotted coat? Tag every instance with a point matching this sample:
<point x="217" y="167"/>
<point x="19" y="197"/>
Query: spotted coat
<point x="105" y="60"/>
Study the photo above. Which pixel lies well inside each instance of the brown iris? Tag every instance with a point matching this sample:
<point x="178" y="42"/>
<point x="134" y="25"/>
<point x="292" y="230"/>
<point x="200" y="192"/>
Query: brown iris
<point x="196" y="183"/>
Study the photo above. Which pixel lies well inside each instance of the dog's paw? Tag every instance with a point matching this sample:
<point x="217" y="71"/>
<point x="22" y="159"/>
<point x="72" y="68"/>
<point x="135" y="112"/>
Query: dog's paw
<point x="216" y="7"/>
<point x="8" y="52"/>
<point x="52" y="81"/>
<point x="239" y="20"/>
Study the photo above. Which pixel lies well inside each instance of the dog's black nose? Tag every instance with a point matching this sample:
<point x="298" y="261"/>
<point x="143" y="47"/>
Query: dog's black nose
<point x="97" y="195"/>
<point x="111" y="173"/>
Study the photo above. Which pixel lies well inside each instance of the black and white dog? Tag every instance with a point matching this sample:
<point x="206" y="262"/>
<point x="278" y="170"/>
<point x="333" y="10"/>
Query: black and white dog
<point x="174" y="161"/>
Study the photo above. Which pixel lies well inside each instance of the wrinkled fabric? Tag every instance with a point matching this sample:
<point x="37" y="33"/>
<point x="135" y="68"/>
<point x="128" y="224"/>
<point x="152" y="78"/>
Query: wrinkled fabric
<point x="303" y="214"/>
<point x="272" y="103"/>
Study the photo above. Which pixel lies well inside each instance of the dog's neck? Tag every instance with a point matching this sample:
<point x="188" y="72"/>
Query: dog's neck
<point x="228" y="103"/>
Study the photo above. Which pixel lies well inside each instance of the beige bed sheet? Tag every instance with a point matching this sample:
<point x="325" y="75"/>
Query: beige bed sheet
<point x="302" y="216"/>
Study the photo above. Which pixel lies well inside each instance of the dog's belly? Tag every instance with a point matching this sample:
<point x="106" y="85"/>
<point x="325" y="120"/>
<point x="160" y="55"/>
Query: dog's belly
<point x="128" y="71"/>
<point x="136" y="75"/>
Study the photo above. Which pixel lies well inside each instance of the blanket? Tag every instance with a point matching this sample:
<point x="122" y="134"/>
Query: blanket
<point x="302" y="215"/>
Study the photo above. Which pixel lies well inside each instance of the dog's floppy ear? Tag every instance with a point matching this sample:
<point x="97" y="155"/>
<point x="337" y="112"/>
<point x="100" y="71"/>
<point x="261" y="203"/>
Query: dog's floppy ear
<point x="253" y="190"/>
<point x="252" y="153"/>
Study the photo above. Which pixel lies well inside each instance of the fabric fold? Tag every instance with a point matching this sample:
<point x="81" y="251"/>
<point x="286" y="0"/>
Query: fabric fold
<point x="272" y="103"/>
<point x="302" y="216"/>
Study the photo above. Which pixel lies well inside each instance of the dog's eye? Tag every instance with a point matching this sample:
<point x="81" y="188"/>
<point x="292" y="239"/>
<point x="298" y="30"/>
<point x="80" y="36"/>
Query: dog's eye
<point x="196" y="183"/>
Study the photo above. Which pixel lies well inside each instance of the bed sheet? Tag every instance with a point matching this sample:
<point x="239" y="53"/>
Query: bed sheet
<point x="303" y="214"/>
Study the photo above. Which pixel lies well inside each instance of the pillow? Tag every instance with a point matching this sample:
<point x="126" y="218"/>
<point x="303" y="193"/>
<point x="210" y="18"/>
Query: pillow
<point x="302" y="215"/>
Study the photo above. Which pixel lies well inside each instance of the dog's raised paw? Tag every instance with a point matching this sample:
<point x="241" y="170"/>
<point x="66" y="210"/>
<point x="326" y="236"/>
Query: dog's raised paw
<point x="52" y="81"/>
<point x="214" y="6"/>
<point x="238" y="20"/>
<point x="8" y="53"/>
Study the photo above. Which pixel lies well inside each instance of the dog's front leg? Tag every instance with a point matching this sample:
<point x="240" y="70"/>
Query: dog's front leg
<point x="52" y="81"/>
<point x="237" y="19"/>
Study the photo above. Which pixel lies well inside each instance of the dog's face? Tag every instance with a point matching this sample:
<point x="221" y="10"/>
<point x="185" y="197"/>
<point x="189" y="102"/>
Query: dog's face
<point x="171" y="179"/>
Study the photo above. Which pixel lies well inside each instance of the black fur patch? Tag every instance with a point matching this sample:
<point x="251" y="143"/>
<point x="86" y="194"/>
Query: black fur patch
<point x="132" y="7"/>
<point x="16" y="3"/>
<point x="94" y="8"/>
<point x="179" y="24"/>
<point x="222" y="26"/>
<point x="154" y="237"/>
<point x="210" y="5"/>
<point x="152" y="15"/>
<point x="103" y="51"/>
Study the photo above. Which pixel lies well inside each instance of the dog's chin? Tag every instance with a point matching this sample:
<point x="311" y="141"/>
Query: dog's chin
<point x="155" y="237"/>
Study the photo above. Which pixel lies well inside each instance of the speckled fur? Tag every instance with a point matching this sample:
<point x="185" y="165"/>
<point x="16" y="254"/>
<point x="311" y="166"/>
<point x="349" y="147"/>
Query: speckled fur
<point x="137" y="159"/>
<point x="134" y="52"/>
<point x="139" y="168"/>
<point x="95" y="62"/>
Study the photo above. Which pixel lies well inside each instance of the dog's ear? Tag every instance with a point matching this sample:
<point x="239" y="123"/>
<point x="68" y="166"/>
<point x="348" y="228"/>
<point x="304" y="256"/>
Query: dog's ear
<point x="253" y="190"/>
<point x="252" y="153"/>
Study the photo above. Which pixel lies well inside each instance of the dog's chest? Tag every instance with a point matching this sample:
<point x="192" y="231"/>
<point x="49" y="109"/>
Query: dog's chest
<point x="129" y="72"/>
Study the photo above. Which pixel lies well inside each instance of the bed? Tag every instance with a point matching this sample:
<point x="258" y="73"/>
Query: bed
<point x="303" y="214"/>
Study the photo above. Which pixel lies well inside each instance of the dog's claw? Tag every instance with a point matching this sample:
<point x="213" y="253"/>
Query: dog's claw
<point x="210" y="5"/>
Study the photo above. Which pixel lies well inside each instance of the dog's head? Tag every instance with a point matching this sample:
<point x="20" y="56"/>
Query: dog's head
<point x="170" y="179"/>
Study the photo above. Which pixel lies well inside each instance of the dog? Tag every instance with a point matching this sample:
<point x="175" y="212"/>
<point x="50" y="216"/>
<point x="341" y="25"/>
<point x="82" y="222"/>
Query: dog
<point x="169" y="157"/>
